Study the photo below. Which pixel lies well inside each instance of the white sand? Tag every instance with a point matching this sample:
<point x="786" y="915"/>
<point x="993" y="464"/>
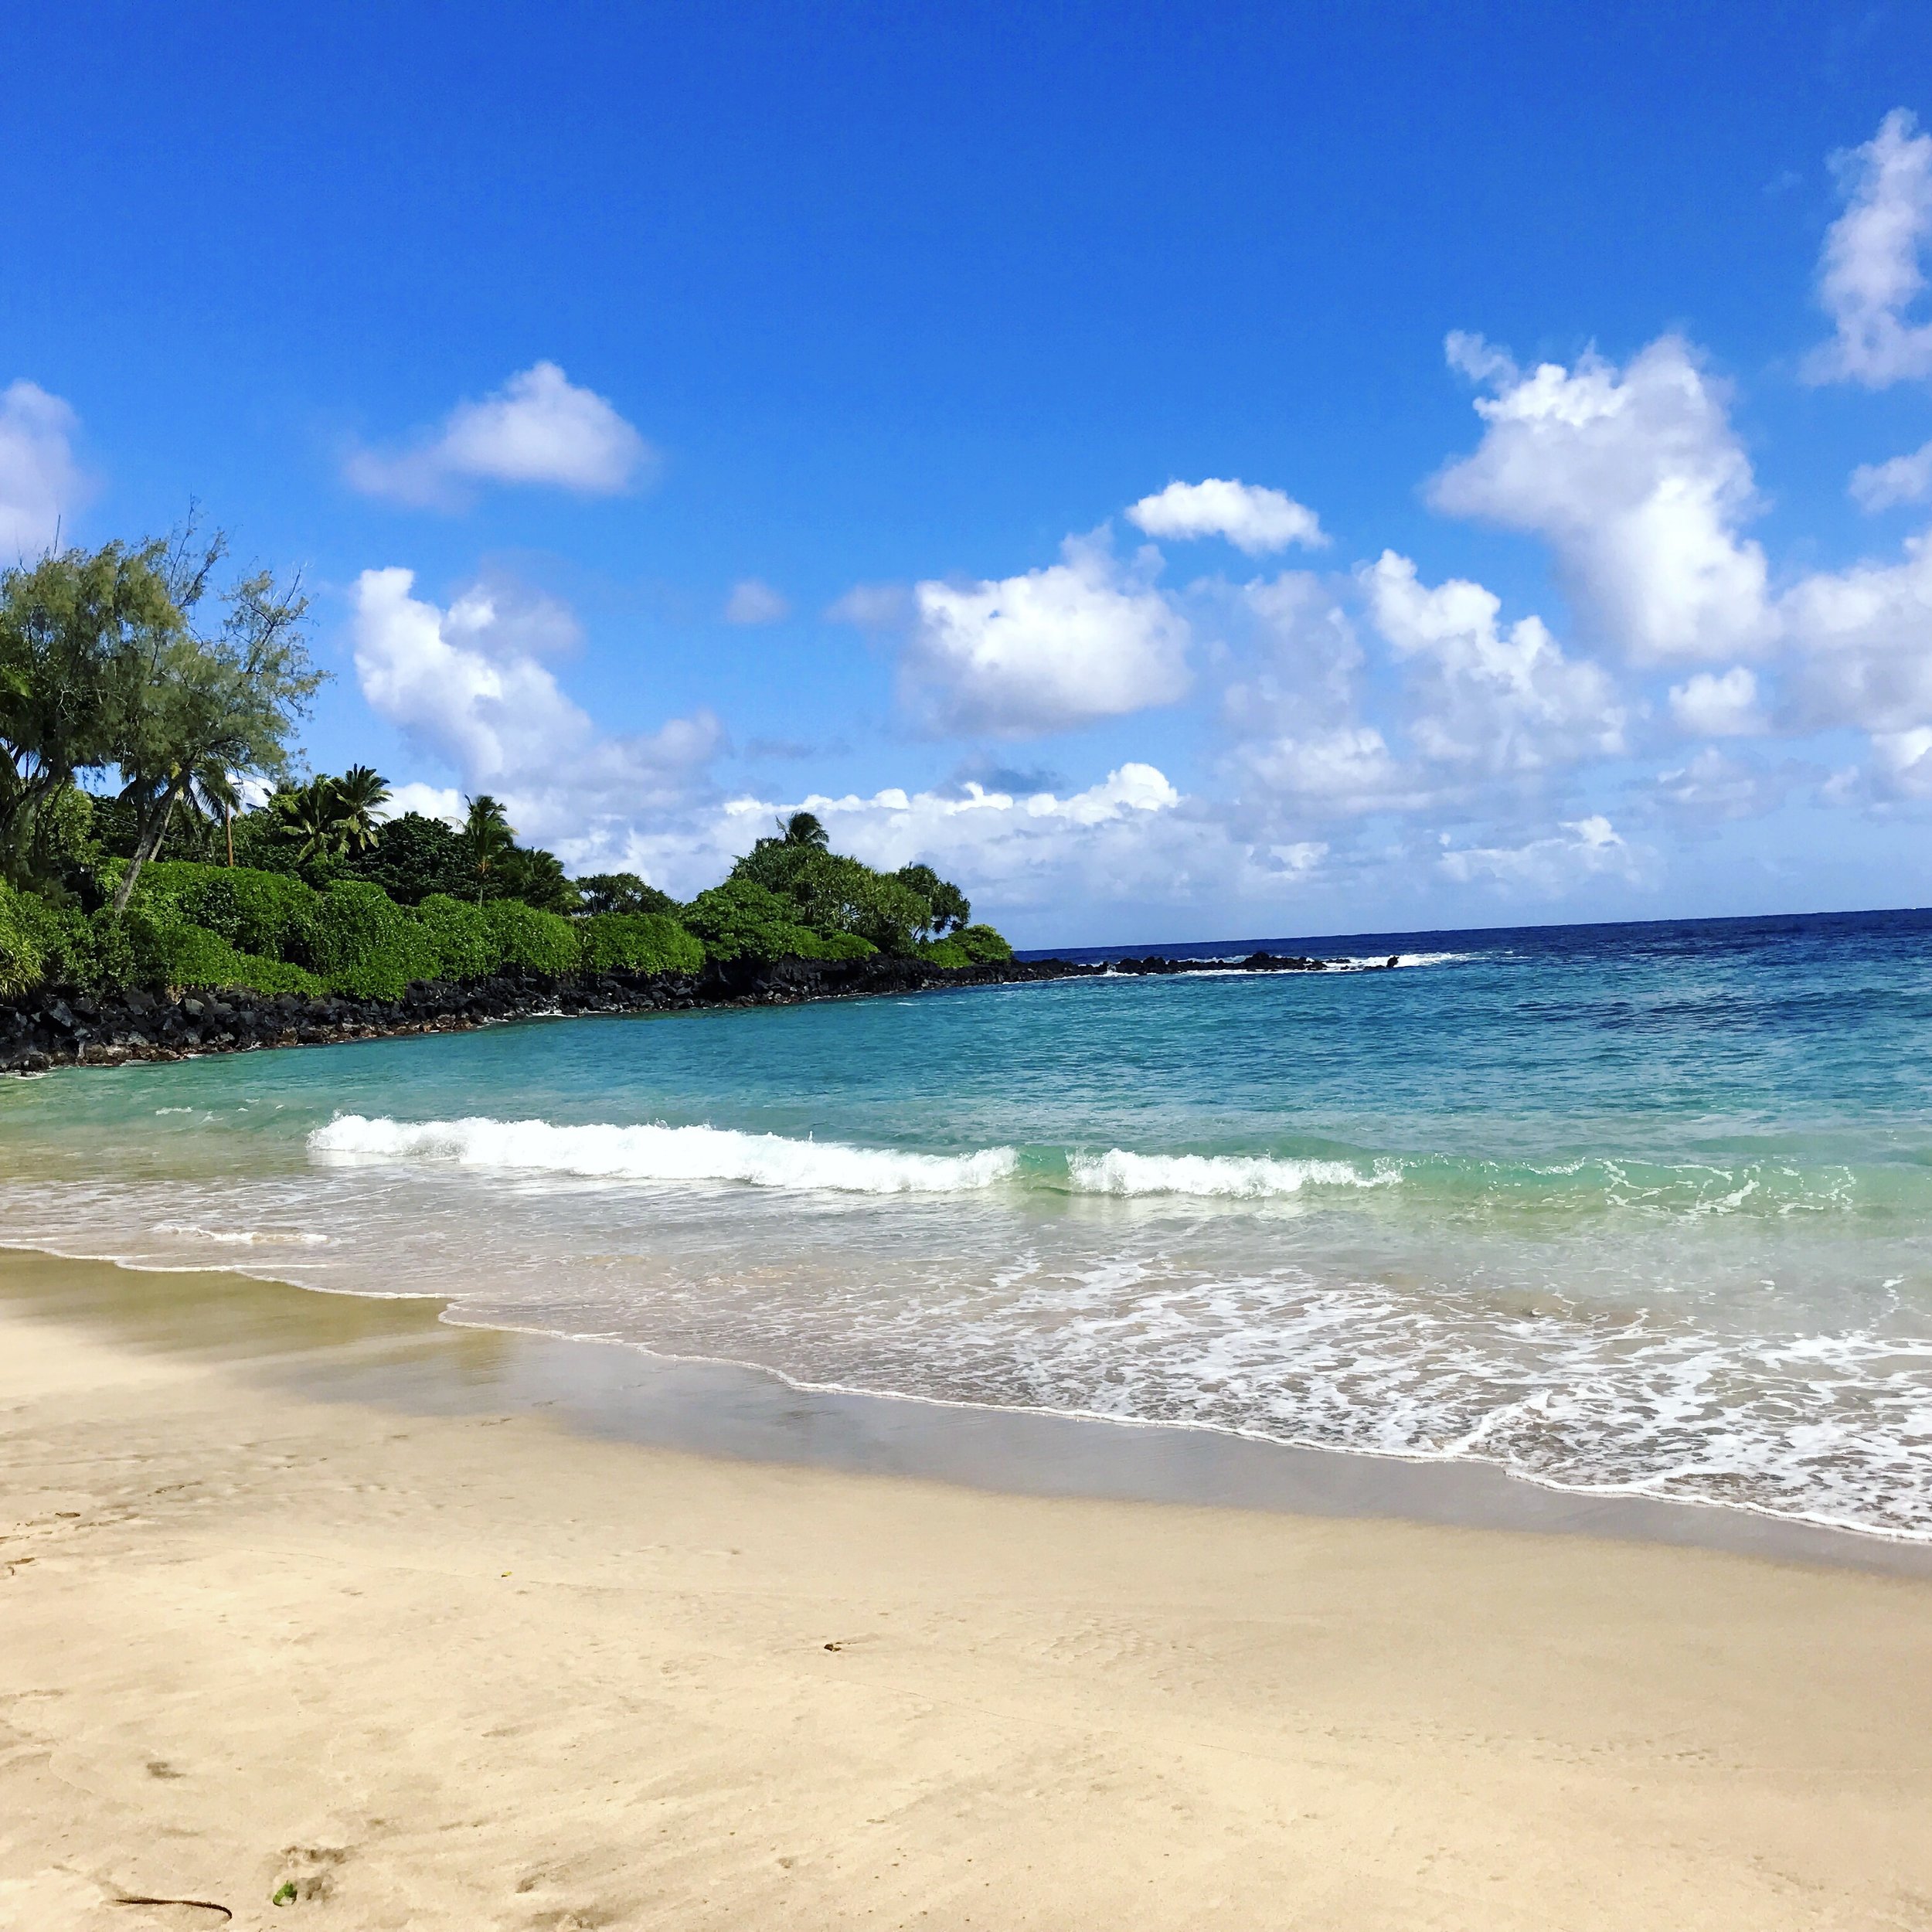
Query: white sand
<point x="449" y="1672"/>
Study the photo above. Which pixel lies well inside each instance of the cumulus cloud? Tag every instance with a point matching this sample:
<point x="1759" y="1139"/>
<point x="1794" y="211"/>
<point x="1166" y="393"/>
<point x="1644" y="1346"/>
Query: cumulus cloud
<point x="538" y="429"/>
<point x="1904" y="479"/>
<point x="1118" y="838"/>
<point x="1296" y="646"/>
<point x="1509" y="702"/>
<point x="1715" y="785"/>
<point x="1636" y="479"/>
<point x="1583" y="848"/>
<point x="1087" y="637"/>
<point x="1710" y="707"/>
<point x="1251" y="517"/>
<point x="1863" y="634"/>
<point x="432" y="801"/>
<point x="1347" y="770"/>
<point x="1871" y="276"/>
<point x="752" y="602"/>
<point x="1902" y="764"/>
<point x="38" y="477"/>
<point x="468" y="685"/>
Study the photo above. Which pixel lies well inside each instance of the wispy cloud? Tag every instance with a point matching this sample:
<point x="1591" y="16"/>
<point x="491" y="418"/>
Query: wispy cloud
<point x="40" y="481"/>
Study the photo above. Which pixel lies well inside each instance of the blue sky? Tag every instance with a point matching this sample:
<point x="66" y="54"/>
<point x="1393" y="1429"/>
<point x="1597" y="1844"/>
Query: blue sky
<point x="541" y="340"/>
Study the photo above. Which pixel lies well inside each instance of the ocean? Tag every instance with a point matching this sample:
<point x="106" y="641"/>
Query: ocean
<point x="1625" y="1209"/>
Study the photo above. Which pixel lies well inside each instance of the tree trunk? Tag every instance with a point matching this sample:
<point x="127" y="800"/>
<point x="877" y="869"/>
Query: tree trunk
<point x="228" y="825"/>
<point x="147" y="844"/>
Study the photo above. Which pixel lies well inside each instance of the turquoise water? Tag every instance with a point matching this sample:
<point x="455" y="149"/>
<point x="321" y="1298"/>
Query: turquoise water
<point x="1620" y="1209"/>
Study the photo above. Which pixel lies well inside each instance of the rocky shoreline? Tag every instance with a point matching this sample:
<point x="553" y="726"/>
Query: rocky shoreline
<point x="56" y="1028"/>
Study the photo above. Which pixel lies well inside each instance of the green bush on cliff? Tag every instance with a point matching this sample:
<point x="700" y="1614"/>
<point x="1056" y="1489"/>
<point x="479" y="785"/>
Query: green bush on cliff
<point x="270" y="914"/>
<point x="462" y="942"/>
<point x="198" y="957"/>
<point x="839" y="946"/>
<point x="40" y="944"/>
<point x="365" y="944"/>
<point x="945" y="952"/>
<point x="744" y="920"/>
<point x="638" y="943"/>
<point x="542" y="942"/>
<point x="982" y="945"/>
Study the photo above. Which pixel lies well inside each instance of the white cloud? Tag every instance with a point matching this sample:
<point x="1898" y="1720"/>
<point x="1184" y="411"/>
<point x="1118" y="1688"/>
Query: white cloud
<point x="753" y="602"/>
<point x="1478" y="358"/>
<point x="873" y="607"/>
<point x="539" y="428"/>
<point x="1710" y="707"/>
<point x="1117" y="838"/>
<point x="1506" y="702"/>
<point x="466" y="686"/>
<point x="1871" y="275"/>
<point x="1902" y="762"/>
<point x="1346" y="771"/>
<point x="1085" y="638"/>
<point x="38" y="477"/>
<point x="1639" y="483"/>
<point x="1251" y="517"/>
<point x="1715" y="785"/>
<point x="1585" y="849"/>
<point x="1904" y="479"/>
<point x="433" y="801"/>
<point x="1295" y="643"/>
<point x="1864" y="640"/>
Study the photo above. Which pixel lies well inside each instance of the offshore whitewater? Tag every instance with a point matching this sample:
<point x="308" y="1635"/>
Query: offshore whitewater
<point x="1628" y="1209"/>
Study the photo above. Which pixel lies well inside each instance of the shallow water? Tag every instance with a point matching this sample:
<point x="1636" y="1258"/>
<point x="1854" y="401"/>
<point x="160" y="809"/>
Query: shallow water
<point x="1627" y="1210"/>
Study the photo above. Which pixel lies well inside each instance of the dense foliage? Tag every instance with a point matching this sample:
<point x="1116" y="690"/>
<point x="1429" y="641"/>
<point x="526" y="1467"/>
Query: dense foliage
<point x="163" y="877"/>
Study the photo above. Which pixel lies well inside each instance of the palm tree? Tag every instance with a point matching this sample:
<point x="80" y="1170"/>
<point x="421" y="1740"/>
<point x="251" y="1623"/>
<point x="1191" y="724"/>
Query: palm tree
<point x="487" y="833"/>
<point x="312" y="814"/>
<point x="806" y="828"/>
<point x="362" y="792"/>
<point x="204" y="791"/>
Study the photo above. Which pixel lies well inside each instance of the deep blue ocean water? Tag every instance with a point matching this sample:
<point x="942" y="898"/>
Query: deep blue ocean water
<point x="1632" y="1208"/>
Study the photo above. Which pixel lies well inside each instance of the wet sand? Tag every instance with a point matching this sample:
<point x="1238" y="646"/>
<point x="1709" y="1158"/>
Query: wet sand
<point x="448" y="1627"/>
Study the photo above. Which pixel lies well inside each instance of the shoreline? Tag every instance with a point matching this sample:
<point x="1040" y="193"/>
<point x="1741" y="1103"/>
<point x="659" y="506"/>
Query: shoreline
<point x="267" y="1626"/>
<point x="57" y="1026"/>
<point x="746" y="1411"/>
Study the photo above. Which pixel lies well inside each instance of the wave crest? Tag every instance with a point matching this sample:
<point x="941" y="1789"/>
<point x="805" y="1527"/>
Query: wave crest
<point x="660" y="1153"/>
<point x="1240" y="1177"/>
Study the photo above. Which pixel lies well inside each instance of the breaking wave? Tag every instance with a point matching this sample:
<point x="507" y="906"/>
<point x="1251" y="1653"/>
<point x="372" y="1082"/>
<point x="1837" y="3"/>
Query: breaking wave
<point x="660" y="1153"/>
<point x="1237" y="1177"/>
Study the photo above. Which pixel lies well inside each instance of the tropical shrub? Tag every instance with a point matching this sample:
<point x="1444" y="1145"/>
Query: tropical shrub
<point x="982" y="945"/>
<point x="413" y="856"/>
<point x="40" y="943"/>
<point x="543" y="942"/>
<point x="944" y="952"/>
<point x="839" y="946"/>
<point x="535" y="876"/>
<point x="365" y="944"/>
<point x="461" y="939"/>
<point x="268" y="913"/>
<point x="638" y="943"/>
<point x="744" y="920"/>
<point x="197" y="957"/>
<point x="622" y="892"/>
<point x="830" y="893"/>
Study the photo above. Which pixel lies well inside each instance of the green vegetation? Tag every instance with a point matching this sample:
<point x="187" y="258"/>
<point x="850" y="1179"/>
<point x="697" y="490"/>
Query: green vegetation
<point x="143" y="700"/>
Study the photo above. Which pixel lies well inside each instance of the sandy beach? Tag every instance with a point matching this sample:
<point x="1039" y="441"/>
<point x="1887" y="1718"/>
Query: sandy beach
<point x="472" y="1670"/>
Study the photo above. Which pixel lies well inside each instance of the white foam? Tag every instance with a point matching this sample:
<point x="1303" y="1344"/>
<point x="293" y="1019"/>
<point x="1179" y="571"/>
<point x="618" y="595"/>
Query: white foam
<point x="660" y="1153"/>
<point x="1367" y="959"/>
<point x="245" y="1237"/>
<point x="1238" y="1176"/>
